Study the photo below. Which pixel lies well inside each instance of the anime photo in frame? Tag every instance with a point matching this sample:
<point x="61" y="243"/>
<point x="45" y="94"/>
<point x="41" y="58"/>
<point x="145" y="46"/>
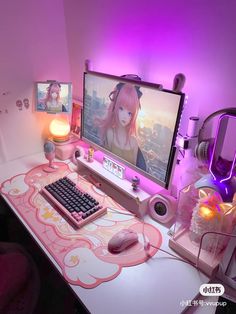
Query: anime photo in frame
<point x="54" y="97"/>
<point x="76" y="119"/>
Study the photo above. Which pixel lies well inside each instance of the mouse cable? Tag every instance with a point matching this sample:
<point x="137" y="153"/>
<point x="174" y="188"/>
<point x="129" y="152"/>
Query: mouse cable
<point x="147" y="244"/>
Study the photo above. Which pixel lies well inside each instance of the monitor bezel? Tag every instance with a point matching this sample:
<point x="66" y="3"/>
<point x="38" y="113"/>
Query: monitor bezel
<point x="70" y="101"/>
<point x="172" y="155"/>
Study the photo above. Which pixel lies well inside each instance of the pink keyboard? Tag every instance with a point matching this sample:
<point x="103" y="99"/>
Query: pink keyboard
<point x="78" y="207"/>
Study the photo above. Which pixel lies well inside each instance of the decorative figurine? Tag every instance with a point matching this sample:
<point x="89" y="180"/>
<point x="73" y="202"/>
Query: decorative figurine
<point x="135" y="183"/>
<point x="90" y="154"/>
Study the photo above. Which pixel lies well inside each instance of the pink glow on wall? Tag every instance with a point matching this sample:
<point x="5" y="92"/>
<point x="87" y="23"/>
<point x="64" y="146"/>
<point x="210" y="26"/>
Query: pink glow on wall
<point x="156" y="40"/>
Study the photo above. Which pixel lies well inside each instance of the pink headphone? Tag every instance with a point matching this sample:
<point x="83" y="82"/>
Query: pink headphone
<point x="205" y="145"/>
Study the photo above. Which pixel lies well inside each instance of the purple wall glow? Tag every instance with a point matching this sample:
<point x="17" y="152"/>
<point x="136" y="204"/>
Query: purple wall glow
<point x="157" y="39"/>
<point x="154" y="39"/>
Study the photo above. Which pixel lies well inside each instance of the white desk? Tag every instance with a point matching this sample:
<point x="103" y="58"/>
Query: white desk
<point x="157" y="286"/>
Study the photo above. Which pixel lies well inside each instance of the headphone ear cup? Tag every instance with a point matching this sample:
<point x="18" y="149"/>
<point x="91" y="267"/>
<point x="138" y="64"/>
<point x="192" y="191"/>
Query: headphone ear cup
<point x="204" y="150"/>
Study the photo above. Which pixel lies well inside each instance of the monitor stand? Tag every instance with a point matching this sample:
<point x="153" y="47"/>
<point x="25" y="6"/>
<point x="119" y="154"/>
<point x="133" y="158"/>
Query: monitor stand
<point x="119" y="189"/>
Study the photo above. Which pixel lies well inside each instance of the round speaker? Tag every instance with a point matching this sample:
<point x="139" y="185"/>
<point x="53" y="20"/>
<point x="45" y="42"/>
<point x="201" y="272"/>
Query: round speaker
<point x="162" y="208"/>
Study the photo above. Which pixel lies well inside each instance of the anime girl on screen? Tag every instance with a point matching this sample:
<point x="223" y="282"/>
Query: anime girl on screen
<point x="118" y="128"/>
<point x="134" y="120"/>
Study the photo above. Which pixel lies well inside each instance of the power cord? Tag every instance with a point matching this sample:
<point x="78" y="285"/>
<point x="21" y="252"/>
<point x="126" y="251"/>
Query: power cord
<point x="147" y="244"/>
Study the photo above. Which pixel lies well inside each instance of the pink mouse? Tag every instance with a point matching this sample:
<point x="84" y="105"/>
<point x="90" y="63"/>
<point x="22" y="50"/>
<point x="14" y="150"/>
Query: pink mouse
<point x="122" y="240"/>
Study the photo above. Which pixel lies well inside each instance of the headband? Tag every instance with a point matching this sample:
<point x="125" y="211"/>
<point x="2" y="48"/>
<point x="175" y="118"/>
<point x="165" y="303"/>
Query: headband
<point x="114" y="94"/>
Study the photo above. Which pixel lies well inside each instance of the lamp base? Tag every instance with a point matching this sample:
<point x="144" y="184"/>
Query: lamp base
<point x="60" y="139"/>
<point x="50" y="169"/>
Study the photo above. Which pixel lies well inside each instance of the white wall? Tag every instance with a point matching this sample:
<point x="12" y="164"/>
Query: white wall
<point x="157" y="39"/>
<point x="33" y="47"/>
<point x="154" y="39"/>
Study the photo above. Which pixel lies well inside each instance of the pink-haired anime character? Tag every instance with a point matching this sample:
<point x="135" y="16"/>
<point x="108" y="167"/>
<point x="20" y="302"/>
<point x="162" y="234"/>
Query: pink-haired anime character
<point x="118" y="128"/>
<point x="52" y="101"/>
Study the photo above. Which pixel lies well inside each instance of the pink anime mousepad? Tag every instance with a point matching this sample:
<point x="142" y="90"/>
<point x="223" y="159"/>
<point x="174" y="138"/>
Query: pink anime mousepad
<point x="81" y="253"/>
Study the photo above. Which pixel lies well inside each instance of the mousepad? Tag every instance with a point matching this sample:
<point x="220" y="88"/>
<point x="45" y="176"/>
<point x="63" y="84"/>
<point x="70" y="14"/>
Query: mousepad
<point x="81" y="253"/>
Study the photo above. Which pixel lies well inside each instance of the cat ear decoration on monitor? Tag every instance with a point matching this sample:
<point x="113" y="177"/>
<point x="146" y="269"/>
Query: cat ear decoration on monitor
<point x="114" y="94"/>
<point x="118" y="88"/>
<point x="178" y="82"/>
<point x="134" y="77"/>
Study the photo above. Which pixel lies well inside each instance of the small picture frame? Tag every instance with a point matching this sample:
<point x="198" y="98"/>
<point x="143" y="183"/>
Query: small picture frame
<point x="53" y="97"/>
<point x="76" y="118"/>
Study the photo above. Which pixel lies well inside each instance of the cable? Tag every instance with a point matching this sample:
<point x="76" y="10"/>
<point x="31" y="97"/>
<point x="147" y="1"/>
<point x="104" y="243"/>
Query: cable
<point x="147" y="244"/>
<point x="175" y="256"/>
<point x="91" y="179"/>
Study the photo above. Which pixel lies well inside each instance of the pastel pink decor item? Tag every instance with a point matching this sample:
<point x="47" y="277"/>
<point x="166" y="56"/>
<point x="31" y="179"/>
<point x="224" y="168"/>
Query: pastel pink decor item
<point x="49" y="151"/>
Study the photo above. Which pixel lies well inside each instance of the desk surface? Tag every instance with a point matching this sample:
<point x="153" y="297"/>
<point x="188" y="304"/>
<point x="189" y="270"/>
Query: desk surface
<point x="155" y="286"/>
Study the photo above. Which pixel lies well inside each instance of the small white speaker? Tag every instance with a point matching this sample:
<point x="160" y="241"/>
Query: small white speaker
<point x="162" y="208"/>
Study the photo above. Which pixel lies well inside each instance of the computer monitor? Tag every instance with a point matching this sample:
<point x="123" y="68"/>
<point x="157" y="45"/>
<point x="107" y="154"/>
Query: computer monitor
<point x="134" y="122"/>
<point x="53" y="97"/>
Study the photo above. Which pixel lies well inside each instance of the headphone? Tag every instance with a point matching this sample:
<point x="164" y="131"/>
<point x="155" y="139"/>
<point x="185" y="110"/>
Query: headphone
<point x="205" y="146"/>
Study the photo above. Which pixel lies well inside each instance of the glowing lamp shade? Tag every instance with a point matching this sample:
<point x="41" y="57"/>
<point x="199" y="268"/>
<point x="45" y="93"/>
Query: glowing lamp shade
<point x="59" y="129"/>
<point x="206" y="213"/>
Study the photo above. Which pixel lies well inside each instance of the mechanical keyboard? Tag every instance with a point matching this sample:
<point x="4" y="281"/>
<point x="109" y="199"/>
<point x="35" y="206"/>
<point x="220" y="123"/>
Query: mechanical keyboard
<point x="79" y="207"/>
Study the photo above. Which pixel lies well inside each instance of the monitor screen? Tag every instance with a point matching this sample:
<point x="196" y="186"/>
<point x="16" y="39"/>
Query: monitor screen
<point x="135" y="122"/>
<point x="53" y="97"/>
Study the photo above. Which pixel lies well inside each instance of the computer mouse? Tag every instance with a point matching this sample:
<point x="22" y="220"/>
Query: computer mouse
<point x="122" y="240"/>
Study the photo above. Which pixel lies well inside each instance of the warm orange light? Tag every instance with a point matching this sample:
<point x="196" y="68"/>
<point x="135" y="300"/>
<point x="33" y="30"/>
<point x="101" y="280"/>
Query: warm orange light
<point x="59" y="129"/>
<point x="206" y="213"/>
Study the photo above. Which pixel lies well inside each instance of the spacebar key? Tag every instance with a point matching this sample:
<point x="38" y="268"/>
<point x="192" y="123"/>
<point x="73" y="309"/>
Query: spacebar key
<point x="58" y="198"/>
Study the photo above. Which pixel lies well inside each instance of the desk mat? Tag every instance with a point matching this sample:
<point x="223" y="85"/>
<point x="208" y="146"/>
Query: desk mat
<point x="81" y="253"/>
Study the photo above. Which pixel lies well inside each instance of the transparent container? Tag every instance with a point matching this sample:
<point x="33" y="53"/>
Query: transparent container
<point x="201" y="215"/>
